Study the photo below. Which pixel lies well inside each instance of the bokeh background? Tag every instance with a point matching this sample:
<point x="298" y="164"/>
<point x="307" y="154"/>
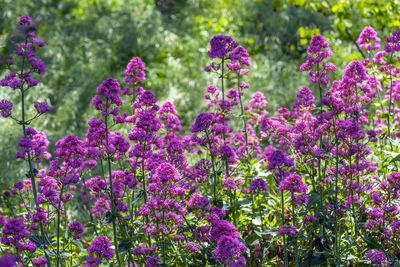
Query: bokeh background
<point x="90" y="40"/>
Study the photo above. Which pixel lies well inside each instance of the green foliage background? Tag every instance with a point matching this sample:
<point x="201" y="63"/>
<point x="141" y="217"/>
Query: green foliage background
<point x="90" y="40"/>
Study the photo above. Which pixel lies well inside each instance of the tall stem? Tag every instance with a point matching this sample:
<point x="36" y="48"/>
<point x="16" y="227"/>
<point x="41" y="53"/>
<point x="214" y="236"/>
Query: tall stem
<point x="295" y="244"/>
<point x="58" y="226"/>
<point x="213" y="167"/>
<point x="244" y="119"/>
<point x="319" y="159"/>
<point x="112" y="195"/>
<point x="390" y="102"/>
<point x="283" y="224"/>
<point x="144" y="189"/>
<point x="223" y="94"/>
<point x="336" y="193"/>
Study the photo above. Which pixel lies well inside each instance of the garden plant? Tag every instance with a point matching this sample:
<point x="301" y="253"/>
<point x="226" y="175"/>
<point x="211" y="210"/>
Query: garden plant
<point x="314" y="184"/>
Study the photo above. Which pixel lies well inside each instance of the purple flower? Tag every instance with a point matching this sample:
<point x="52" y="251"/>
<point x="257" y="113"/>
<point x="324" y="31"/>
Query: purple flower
<point x="378" y="258"/>
<point x="14" y="231"/>
<point x="77" y="229"/>
<point x="38" y="65"/>
<point x="203" y="122"/>
<point x="277" y="158"/>
<point x="309" y="218"/>
<point x="193" y="247"/>
<point x="393" y="42"/>
<point x="71" y="149"/>
<point x="223" y="228"/>
<point x="37" y="41"/>
<point x="109" y="90"/>
<point x="369" y="39"/>
<point x="135" y="71"/>
<point x="291" y="230"/>
<point x="25" y="20"/>
<point x="166" y="172"/>
<point x="318" y="50"/>
<point x="7" y="260"/>
<point x="39" y="262"/>
<point x="229" y="250"/>
<point x="146" y="99"/>
<point x="258" y="185"/>
<point x="293" y="183"/>
<point x="354" y="72"/>
<point x="220" y="46"/>
<point x="5" y="108"/>
<point x="41" y="107"/>
<point x="99" y="249"/>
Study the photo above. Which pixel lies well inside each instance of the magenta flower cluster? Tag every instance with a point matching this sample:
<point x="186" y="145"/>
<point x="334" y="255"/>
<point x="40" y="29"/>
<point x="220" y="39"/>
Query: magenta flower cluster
<point x="245" y="187"/>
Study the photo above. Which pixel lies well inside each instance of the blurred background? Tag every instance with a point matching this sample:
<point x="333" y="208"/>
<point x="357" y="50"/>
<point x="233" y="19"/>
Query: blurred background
<point x="90" y="40"/>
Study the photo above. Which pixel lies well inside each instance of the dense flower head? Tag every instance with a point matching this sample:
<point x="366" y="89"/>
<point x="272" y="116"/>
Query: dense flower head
<point x="166" y="172"/>
<point x="135" y="71"/>
<point x="393" y="42"/>
<point x="277" y="158"/>
<point x="221" y="45"/>
<point x="37" y="65"/>
<point x="25" y="20"/>
<point x="77" y="229"/>
<point x="355" y="71"/>
<point x="202" y="122"/>
<point x="110" y="90"/>
<point x="167" y="114"/>
<point x="101" y="248"/>
<point x="258" y="185"/>
<point x="192" y="247"/>
<point x="145" y="100"/>
<point x="369" y="39"/>
<point x="309" y="218"/>
<point x="238" y="58"/>
<point x="5" y="108"/>
<point x="290" y="230"/>
<point x="258" y="101"/>
<point x="305" y="98"/>
<point x="294" y="183"/>
<point x="229" y="250"/>
<point x="35" y="144"/>
<point x="39" y="262"/>
<point x="377" y="257"/>
<point x="198" y="201"/>
<point x="223" y="228"/>
<point x="41" y="107"/>
<point x="318" y="50"/>
<point x="7" y="260"/>
<point x="71" y="149"/>
<point x="240" y="54"/>
<point x="14" y="231"/>
<point x="317" y="44"/>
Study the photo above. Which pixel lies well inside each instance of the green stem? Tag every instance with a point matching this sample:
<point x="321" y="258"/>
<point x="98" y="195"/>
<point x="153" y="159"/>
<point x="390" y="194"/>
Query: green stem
<point x="295" y="241"/>
<point x="213" y="167"/>
<point x="58" y="226"/>
<point x="283" y="224"/>
<point x="244" y="120"/>
<point x="112" y="196"/>
<point x="336" y="253"/>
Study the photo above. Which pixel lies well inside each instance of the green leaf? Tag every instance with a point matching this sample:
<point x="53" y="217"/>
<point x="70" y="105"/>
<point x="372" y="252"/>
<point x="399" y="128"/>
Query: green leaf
<point x="124" y="246"/>
<point x="50" y="252"/>
<point x="40" y="241"/>
<point x="65" y="255"/>
<point x="313" y="199"/>
<point x="138" y="197"/>
<point x="249" y="240"/>
<point x="397" y="158"/>
<point x="77" y="243"/>
<point x="109" y="218"/>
